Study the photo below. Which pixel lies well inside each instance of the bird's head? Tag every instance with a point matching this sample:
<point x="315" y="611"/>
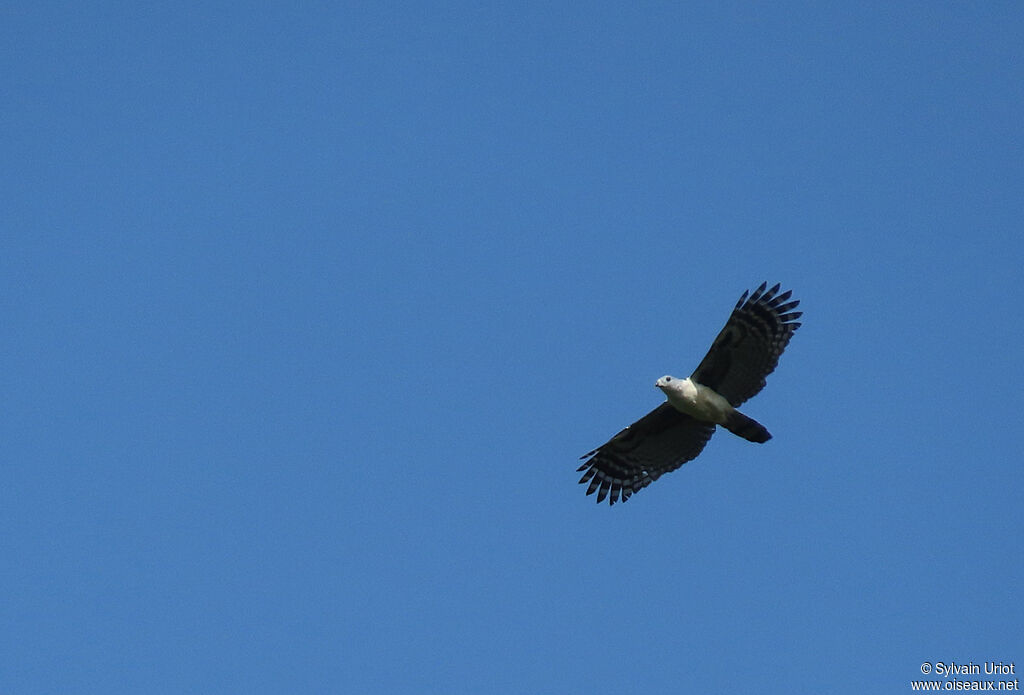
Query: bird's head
<point x="667" y="382"/>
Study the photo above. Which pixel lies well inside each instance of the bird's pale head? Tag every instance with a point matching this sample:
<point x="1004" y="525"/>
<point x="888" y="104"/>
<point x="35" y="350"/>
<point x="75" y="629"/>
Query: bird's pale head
<point x="667" y="382"/>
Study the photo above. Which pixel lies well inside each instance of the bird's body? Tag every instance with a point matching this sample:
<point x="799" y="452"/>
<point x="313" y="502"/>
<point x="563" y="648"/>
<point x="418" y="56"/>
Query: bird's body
<point x="696" y="400"/>
<point x="734" y="370"/>
<point x="703" y="404"/>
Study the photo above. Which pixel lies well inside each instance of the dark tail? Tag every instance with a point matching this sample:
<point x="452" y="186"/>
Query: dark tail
<point x="748" y="428"/>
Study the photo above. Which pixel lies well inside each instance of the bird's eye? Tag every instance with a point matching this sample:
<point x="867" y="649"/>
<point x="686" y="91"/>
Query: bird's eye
<point x="668" y="379"/>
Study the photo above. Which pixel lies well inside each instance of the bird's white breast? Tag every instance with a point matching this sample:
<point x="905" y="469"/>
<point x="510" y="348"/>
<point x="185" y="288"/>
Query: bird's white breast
<point x="697" y="401"/>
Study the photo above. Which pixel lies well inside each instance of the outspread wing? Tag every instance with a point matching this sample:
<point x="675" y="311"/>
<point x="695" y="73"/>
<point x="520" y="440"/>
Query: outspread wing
<point x="748" y="348"/>
<point x="657" y="443"/>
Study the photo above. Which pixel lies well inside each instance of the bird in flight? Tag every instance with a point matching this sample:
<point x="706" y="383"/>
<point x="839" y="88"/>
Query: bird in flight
<point x="734" y="370"/>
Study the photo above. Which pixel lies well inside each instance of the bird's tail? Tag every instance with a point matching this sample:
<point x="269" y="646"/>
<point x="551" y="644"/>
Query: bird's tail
<point x="746" y="427"/>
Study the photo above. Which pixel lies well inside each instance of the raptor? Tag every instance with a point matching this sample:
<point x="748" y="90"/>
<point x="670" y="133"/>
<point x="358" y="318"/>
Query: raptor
<point x="745" y="352"/>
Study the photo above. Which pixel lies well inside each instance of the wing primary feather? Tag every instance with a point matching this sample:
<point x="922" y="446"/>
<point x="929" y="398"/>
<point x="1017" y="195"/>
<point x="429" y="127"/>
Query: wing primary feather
<point x="614" y="497"/>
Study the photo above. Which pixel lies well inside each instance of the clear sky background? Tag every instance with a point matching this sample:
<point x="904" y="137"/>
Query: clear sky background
<point x="309" y="312"/>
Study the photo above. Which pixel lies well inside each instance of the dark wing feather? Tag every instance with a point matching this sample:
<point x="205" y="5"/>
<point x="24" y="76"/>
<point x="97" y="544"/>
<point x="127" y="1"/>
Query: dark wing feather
<point x="657" y="443"/>
<point x="748" y="348"/>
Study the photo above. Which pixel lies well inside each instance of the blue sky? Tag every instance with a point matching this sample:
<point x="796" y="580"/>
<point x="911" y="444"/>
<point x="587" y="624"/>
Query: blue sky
<point x="309" y="312"/>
